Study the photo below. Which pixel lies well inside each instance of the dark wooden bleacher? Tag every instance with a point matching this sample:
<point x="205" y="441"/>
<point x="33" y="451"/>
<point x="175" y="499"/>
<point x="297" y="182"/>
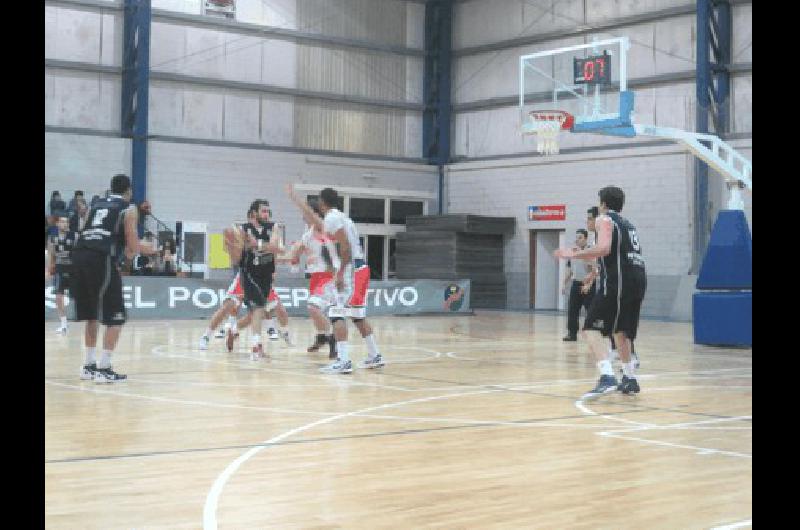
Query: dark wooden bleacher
<point x="457" y="246"/>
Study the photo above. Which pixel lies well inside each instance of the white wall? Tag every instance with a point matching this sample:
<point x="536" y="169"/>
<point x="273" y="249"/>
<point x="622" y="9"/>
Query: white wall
<point x="663" y="47"/>
<point x="657" y="184"/>
<point x="82" y="99"/>
<point x="92" y="100"/>
<point x="216" y="184"/>
<point x="77" y="162"/>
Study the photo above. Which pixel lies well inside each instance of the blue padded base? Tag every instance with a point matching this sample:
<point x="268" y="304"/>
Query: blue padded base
<point x="723" y="318"/>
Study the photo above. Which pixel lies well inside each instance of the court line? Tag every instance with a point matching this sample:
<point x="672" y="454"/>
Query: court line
<point x="649" y="426"/>
<point x="669" y="426"/>
<point x="534" y="422"/>
<point x="586" y="410"/>
<point x="261" y="367"/>
<point x="186" y="401"/>
<point x="733" y="526"/>
<point x="212" y="499"/>
<point x="699" y="450"/>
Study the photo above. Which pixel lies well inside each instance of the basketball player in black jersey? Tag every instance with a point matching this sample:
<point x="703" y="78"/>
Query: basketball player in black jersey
<point x="613" y="354"/>
<point x="621" y="286"/>
<point x="59" y="250"/>
<point x="256" y="266"/>
<point x="96" y="284"/>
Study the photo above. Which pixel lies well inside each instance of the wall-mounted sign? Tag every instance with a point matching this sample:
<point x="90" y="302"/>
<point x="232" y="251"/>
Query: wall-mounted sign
<point x="223" y="8"/>
<point x="554" y="212"/>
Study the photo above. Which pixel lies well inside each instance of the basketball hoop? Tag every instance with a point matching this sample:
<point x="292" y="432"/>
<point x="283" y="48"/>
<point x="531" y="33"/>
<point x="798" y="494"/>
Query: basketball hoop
<point x="546" y="125"/>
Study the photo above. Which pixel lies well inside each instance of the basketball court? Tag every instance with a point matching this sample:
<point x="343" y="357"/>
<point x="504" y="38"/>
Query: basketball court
<point x="475" y="421"/>
<point x="444" y="154"/>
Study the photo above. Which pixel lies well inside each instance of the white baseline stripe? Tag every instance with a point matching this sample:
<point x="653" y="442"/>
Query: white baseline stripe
<point x="700" y="450"/>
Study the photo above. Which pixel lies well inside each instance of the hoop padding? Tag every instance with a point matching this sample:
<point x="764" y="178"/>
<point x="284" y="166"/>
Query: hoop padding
<point x="546" y="125"/>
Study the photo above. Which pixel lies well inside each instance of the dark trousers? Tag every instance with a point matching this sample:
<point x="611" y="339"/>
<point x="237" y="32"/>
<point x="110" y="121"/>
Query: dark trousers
<point x="576" y="301"/>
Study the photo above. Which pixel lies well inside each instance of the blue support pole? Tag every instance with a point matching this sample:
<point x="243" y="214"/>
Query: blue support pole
<point x="723" y="23"/>
<point x="135" y="90"/>
<point x="436" y="87"/>
<point x="714" y="52"/>
<point x="704" y="82"/>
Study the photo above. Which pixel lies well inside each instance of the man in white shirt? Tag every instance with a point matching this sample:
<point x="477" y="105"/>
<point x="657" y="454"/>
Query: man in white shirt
<point x="321" y="261"/>
<point x="347" y="296"/>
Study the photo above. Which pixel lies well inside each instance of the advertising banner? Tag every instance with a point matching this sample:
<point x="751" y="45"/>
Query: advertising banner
<point x="148" y="298"/>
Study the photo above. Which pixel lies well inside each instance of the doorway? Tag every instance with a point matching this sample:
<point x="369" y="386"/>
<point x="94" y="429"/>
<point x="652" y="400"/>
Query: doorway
<point x="546" y="272"/>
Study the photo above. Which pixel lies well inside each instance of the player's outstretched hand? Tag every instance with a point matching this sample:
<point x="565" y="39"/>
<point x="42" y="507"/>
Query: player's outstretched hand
<point x="289" y="188"/>
<point x="564" y="253"/>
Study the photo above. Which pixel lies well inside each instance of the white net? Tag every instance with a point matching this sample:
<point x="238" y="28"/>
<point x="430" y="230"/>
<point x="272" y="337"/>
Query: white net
<point x="546" y="126"/>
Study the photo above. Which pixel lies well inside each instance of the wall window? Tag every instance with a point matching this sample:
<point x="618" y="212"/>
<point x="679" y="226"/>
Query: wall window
<point x="367" y="210"/>
<point x="339" y="205"/>
<point x="399" y="210"/>
<point x="378" y="218"/>
<point x="392" y="270"/>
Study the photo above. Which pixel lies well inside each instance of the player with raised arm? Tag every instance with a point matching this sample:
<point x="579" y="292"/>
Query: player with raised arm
<point x="346" y="296"/>
<point x="622" y="284"/>
<point x="319" y="253"/>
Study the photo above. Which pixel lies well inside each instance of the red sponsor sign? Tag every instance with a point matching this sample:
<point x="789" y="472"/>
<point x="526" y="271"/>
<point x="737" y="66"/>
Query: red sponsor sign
<point x="554" y="212"/>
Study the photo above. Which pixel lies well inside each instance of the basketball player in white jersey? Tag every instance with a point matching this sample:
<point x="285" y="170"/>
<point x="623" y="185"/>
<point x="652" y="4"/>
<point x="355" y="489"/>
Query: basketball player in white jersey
<point x="347" y="295"/>
<point x="321" y="260"/>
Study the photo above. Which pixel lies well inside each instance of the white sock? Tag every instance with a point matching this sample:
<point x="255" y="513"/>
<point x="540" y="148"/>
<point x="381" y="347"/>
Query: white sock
<point x="105" y="360"/>
<point x="628" y="369"/>
<point x="90" y="355"/>
<point x="255" y="339"/>
<point x="605" y="367"/>
<point x="372" y="348"/>
<point x="270" y="323"/>
<point x="343" y="351"/>
<point x="613" y="355"/>
<point x="63" y="322"/>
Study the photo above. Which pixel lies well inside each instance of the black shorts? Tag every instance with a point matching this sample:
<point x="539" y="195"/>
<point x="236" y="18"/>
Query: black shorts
<point x="256" y="288"/>
<point x="61" y="281"/>
<point x="613" y="314"/>
<point x="97" y="288"/>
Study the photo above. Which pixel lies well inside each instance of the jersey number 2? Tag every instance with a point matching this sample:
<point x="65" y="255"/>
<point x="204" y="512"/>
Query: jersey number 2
<point x="634" y="240"/>
<point x="99" y="216"/>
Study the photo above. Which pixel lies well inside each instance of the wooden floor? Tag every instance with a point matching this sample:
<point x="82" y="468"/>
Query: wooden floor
<point x="476" y="422"/>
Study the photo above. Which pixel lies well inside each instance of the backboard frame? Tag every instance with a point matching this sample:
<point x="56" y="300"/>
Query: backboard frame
<point x="615" y="123"/>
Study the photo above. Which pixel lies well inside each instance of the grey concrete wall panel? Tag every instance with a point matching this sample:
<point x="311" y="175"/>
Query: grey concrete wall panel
<point x="742" y="33"/>
<point x="73" y="35"/>
<point x="227" y="179"/>
<point x="742" y="97"/>
<point x="81" y="99"/>
<point x="277" y="120"/>
<point x="242" y="117"/>
<point x="76" y="162"/>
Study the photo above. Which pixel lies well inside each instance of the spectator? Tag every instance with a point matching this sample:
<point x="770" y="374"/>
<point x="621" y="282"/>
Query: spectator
<point x="73" y="202"/>
<point x="169" y="257"/>
<point x="56" y="204"/>
<point x="94" y="200"/>
<point x="52" y="227"/>
<point x="78" y="220"/>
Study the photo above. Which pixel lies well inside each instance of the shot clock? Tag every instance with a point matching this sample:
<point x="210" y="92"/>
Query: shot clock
<point x="593" y="70"/>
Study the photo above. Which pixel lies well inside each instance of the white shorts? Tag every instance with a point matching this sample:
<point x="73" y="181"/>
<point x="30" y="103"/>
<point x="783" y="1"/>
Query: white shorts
<point x="351" y="300"/>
